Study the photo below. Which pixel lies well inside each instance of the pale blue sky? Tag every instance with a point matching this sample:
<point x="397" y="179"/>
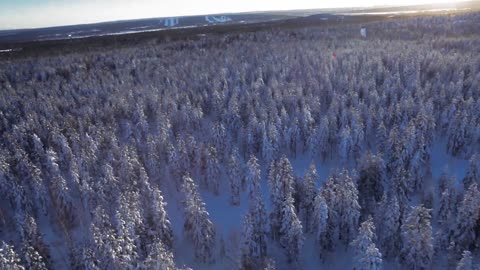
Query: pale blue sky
<point x="16" y="14"/>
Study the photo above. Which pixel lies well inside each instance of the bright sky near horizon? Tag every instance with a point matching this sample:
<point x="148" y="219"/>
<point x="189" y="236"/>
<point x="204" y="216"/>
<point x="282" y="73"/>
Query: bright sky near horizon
<point x="16" y="14"/>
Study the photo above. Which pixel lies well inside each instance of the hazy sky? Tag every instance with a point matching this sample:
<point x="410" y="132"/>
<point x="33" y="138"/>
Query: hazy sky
<point x="40" y="13"/>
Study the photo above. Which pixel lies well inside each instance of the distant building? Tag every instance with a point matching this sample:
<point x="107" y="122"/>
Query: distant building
<point x="363" y="32"/>
<point x="169" y="22"/>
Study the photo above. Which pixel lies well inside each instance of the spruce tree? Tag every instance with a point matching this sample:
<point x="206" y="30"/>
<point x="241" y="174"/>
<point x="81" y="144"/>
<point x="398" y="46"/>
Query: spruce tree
<point x="465" y="232"/>
<point x="320" y="223"/>
<point x="366" y="255"/>
<point x="9" y="259"/>
<point x="291" y="235"/>
<point x="309" y="192"/>
<point x="234" y="177"/>
<point x="417" y="250"/>
<point x="198" y="226"/>
<point x="466" y="263"/>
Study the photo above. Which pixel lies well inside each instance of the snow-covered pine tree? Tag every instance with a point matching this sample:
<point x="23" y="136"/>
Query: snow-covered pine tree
<point x="213" y="171"/>
<point x="293" y="135"/>
<point x="183" y="156"/>
<point x="38" y="153"/>
<point x="281" y="183"/>
<point x="345" y="144"/>
<point x="417" y="252"/>
<point x="473" y="172"/>
<point x="320" y="222"/>
<point x="234" y="177"/>
<point x="219" y="136"/>
<point x="66" y="159"/>
<point x="158" y="221"/>
<point x="345" y="206"/>
<point x="159" y="258"/>
<point x="399" y="187"/>
<point x="33" y="260"/>
<point x="466" y="263"/>
<point x="447" y="207"/>
<point x="33" y="245"/>
<point x="458" y="135"/>
<point x="253" y="177"/>
<point x="465" y="232"/>
<point x="366" y="255"/>
<point x="32" y="175"/>
<point x="307" y="198"/>
<point x="358" y="134"/>
<point x="382" y="138"/>
<point x="59" y="190"/>
<point x="323" y="136"/>
<point x="267" y="148"/>
<point x="419" y="165"/>
<point x="291" y="235"/>
<point x="388" y="219"/>
<point x="126" y="243"/>
<point x="256" y="216"/>
<point x="275" y="138"/>
<point x="198" y="226"/>
<point x="104" y="241"/>
<point x="9" y="260"/>
<point x="248" y="246"/>
<point x="269" y="264"/>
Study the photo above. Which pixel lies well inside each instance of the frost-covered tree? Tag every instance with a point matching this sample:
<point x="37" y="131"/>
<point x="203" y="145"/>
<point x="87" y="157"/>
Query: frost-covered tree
<point x="466" y="263"/>
<point x="307" y="198"/>
<point x="465" y="233"/>
<point x="159" y="258"/>
<point x="319" y="140"/>
<point x="213" y="171"/>
<point x="9" y="260"/>
<point x="458" y="134"/>
<point x="281" y="184"/>
<point x="248" y="245"/>
<point x="253" y="245"/>
<point x="59" y="190"/>
<point x="399" y="187"/>
<point x="198" y="226"/>
<point x="417" y="239"/>
<point x="33" y="259"/>
<point x="447" y="206"/>
<point x="291" y="232"/>
<point x="345" y="144"/>
<point x="382" y="137"/>
<point x="255" y="221"/>
<point x="320" y="222"/>
<point x="66" y="159"/>
<point x="267" y="148"/>
<point x="158" y="223"/>
<point x="125" y="245"/>
<point x="341" y="196"/>
<point x="234" y="177"/>
<point x="473" y="172"/>
<point x="220" y="138"/>
<point x="366" y="255"/>
<point x="253" y="177"/>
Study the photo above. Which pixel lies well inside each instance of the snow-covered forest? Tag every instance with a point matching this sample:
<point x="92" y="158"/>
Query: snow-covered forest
<point x="307" y="148"/>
